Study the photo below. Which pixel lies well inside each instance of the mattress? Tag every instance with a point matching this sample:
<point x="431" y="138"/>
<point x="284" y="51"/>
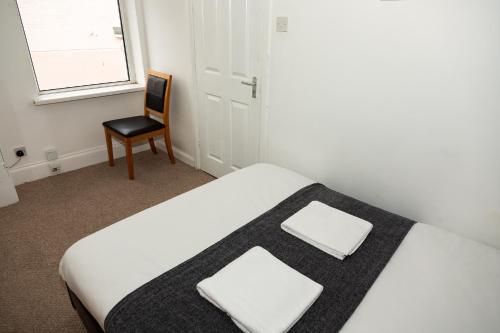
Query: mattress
<point x="436" y="280"/>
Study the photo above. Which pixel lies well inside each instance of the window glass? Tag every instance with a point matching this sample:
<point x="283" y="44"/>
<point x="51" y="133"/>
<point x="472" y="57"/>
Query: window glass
<point x="74" y="43"/>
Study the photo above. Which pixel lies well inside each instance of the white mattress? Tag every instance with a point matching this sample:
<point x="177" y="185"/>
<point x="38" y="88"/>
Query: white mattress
<point x="435" y="282"/>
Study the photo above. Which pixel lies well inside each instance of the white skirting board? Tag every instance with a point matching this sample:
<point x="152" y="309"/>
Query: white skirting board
<point x="179" y="154"/>
<point x="83" y="158"/>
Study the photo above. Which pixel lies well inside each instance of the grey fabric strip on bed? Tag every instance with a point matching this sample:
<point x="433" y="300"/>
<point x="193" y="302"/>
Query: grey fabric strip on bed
<point x="170" y="303"/>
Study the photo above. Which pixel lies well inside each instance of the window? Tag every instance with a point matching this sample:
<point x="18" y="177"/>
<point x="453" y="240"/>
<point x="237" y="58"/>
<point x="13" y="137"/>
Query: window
<point x="75" y="44"/>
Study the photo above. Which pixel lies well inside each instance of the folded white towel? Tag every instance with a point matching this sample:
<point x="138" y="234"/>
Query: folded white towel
<point x="260" y="293"/>
<point x="329" y="229"/>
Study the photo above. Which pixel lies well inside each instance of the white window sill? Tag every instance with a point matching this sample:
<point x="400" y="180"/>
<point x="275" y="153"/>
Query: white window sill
<point x="67" y="96"/>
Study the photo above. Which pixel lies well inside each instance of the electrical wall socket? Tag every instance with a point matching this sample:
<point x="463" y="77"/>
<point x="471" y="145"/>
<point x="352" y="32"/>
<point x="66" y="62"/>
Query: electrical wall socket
<point x="20" y="149"/>
<point x="55" y="167"/>
<point x="51" y="154"/>
<point x="282" y="24"/>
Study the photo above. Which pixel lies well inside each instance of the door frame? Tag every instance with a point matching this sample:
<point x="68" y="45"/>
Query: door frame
<point x="263" y="88"/>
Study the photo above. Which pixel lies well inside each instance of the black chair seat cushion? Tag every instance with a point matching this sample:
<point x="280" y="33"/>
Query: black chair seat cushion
<point x="133" y="126"/>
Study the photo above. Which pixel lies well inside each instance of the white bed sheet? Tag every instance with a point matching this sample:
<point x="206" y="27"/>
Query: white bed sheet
<point x="103" y="268"/>
<point x="435" y="282"/>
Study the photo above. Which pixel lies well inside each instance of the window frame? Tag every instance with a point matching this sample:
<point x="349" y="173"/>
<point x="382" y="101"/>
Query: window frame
<point x="128" y="50"/>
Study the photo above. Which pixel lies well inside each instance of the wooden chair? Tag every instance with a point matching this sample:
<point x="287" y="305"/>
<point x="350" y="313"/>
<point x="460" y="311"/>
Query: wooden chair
<point x="141" y="128"/>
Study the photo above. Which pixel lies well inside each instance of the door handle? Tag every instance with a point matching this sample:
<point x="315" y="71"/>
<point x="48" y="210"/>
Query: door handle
<point x="253" y="84"/>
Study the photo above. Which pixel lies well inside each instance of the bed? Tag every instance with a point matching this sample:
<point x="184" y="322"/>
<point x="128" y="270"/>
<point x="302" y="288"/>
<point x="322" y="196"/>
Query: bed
<point x="436" y="281"/>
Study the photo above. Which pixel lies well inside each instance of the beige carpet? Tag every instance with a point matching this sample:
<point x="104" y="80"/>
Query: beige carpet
<point x="56" y="212"/>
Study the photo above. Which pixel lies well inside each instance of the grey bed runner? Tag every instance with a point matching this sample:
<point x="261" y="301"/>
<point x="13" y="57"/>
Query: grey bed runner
<point x="170" y="303"/>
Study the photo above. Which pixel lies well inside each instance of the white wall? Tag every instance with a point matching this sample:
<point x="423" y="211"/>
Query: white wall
<point x="74" y="128"/>
<point x="394" y="103"/>
<point x="168" y="36"/>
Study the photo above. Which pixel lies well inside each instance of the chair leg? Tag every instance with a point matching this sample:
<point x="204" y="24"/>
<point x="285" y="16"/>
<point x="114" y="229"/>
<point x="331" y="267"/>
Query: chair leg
<point x="109" y="144"/>
<point x="168" y="144"/>
<point x="130" y="159"/>
<point x="152" y="145"/>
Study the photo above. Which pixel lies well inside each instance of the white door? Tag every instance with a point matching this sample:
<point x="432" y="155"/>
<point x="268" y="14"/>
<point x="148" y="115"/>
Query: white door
<point x="230" y="40"/>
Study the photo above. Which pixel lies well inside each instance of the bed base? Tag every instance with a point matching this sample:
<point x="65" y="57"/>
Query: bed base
<point x="91" y="325"/>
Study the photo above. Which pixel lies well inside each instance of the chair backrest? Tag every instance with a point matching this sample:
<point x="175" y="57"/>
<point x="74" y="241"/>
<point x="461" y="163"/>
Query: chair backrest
<point x="157" y="95"/>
